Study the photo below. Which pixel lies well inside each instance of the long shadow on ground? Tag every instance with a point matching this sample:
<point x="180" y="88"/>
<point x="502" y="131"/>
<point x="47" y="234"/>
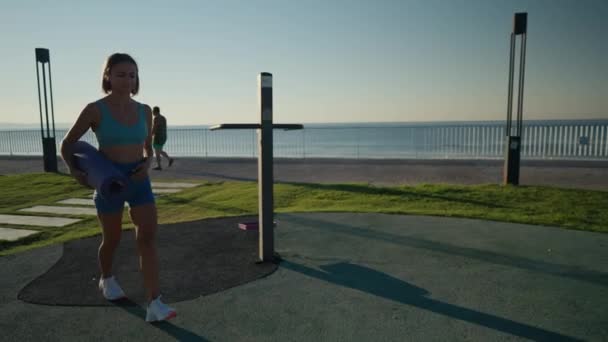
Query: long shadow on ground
<point x="383" y="285"/>
<point x="404" y="193"/>
<point x="566" y="271"/>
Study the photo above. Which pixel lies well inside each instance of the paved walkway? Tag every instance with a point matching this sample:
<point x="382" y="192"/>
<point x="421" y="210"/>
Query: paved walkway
<point x="362" y="277"/>
<point x="567" y="174"/>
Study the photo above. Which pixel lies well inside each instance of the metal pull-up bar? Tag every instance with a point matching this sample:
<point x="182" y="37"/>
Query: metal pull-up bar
<point x="265" y="164"/>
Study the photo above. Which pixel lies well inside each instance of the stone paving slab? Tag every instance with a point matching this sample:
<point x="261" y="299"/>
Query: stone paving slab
<point x="173" y="185"/>
<point x="165" y="191"/>
<point x="77" y="201"/>
<point x="11" y="234"/>
<point x="160" y="191"/>
<point x="43" y="221"/>
<point x="60" y="210"/>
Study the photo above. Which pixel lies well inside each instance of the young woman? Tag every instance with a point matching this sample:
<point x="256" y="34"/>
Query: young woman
<point x="123" y="130"/>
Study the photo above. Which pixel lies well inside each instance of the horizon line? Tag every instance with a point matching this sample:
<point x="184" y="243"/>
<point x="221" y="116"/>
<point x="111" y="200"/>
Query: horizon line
<point x="37" y="124"/>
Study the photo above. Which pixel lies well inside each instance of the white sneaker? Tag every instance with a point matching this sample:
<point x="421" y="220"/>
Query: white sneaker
<point x="110" y="289"/>
<point x="159" y="311"/>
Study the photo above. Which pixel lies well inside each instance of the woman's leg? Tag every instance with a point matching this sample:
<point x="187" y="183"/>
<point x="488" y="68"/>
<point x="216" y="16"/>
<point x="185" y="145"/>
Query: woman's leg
<point x="145" y="221"/>
<point x="111" y="225"/>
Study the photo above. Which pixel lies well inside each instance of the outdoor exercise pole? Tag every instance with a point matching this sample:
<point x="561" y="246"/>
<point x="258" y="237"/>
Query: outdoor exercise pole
<point x="49" y="149"/>
<point x="513" y="134"/>
<point x="265" y="164"/>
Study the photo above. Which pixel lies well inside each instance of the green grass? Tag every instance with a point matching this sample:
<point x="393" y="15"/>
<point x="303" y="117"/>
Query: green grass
<point x="567" y="208"/>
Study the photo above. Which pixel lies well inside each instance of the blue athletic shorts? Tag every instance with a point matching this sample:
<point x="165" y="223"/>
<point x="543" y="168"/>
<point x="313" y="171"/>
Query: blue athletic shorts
<point x="140" y="192"/>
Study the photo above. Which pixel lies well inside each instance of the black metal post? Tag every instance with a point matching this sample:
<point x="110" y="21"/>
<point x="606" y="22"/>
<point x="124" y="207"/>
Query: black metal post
<point x="514" y="139"/>
<point x="49" y="149"/>
<point x="265" y="165"/>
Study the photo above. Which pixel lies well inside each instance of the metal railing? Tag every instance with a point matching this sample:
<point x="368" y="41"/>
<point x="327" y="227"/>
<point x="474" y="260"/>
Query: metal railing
<point x="584" y="140"/>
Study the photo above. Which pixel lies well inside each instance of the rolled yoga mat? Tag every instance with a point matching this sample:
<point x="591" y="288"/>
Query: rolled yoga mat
<point x="110" y="183"/>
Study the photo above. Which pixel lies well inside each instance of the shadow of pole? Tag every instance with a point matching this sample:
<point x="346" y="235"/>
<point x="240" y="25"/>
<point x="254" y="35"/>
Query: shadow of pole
<point x="565" y="271"/>
<point x="383" y="285"/>
<point x="219" y="176"/>
<point x="404" y="192"/>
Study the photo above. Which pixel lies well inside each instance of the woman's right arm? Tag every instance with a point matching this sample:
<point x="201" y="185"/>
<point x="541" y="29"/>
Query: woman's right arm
<point x="85" y="121"/>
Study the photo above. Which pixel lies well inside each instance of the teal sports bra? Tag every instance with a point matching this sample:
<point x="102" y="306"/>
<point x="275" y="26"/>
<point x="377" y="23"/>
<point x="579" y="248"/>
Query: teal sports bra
<point x="110" y="132"/>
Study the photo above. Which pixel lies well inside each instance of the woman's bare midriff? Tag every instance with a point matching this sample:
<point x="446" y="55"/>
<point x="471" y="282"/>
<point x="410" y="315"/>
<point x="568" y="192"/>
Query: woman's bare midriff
<point x="124" y="154"/>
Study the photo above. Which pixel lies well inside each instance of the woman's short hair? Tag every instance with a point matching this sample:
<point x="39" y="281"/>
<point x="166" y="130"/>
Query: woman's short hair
<point x="114" y="59"/>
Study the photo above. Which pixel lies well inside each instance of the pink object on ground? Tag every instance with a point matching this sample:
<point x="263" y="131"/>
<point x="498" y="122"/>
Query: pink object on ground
<point x="252" y="225"/>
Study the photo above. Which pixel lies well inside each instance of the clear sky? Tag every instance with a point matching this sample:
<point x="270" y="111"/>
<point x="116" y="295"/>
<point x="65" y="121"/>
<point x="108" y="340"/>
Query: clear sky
<point x="332" y="60"/>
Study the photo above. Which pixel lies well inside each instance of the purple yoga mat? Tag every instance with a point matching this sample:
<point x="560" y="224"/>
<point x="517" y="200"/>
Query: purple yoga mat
<point x="110" y="183"/>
